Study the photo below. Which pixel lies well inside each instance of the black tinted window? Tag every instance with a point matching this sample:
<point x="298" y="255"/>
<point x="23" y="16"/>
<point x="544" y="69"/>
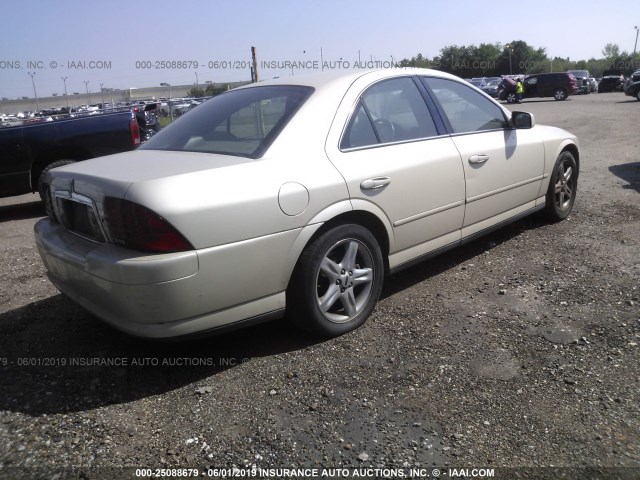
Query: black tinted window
<point x="241" y="122"/>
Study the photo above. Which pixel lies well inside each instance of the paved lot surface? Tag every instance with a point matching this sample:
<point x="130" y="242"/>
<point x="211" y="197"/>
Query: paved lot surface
<point x="518" y="350"/>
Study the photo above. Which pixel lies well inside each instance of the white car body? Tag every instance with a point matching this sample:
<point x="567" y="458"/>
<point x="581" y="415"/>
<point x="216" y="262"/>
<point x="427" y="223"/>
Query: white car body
<point x="249" y="220"/>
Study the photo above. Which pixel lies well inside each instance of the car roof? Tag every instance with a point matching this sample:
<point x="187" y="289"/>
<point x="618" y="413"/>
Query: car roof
<point x="322" y="80"/>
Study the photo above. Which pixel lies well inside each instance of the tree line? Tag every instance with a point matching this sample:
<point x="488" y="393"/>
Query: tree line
<point x="517" y="57"/>
<point x="211" y="90"/>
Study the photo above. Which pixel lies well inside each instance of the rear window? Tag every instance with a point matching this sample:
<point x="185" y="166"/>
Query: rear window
<point x="240" y="122"/>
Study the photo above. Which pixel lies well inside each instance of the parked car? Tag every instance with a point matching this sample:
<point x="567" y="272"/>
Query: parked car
<point x="147" y="118"/>
<point x="612" y="81"/>
<point x="634" y="77"/>
<point x="507" y="89"/>
<point x="492" y="86"/>
<point x="633" y="90"/>
<point x="583" y="77"/>
<point x="281" y="197"/>
<point x="478" y="82"/>
<point x="556" y="85"/>
<point x="31" y="149"/>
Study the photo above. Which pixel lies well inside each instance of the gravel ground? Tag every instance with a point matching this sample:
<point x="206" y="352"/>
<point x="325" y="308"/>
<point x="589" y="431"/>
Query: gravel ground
<point x="519" y="350"/>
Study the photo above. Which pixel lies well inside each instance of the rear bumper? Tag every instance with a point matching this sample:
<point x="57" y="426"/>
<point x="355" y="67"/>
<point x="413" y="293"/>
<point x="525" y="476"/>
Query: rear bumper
<point x="155" y="296"/>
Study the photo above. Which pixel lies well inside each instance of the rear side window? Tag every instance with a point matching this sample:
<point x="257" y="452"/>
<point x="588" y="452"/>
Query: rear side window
<point x="360" y="132"/>
<point x="389" y="111"/>
<point x="466" y="109"/>
<point x="241" y="122"/>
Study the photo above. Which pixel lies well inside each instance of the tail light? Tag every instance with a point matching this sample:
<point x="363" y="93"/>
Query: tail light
<point x="135" y="131"/>
<point x="136" y="227"/>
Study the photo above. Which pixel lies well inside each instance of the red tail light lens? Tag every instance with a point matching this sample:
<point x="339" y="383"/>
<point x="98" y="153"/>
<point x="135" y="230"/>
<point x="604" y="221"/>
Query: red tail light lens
<point x="136" y="227"/>
<point x="135" y="132"/>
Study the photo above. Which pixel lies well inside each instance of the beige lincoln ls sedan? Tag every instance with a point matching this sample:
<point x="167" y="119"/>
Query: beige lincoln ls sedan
<point x="295" y="196"/>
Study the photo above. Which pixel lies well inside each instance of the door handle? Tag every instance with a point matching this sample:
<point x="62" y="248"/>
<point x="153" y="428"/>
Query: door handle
<point x="476" y="159"/>
<point x="374" y="183"/>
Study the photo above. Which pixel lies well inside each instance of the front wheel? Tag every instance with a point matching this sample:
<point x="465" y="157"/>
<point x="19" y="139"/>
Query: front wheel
<point x="563" y="186"/>
<point x="337" y="281"/>
<point x="638" y="95"/>
<point x="511" y="98"/>
<point x="560" y="94"/>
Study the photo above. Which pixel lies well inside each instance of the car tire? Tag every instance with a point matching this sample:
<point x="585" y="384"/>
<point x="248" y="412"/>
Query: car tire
<point x="511" y="98"/>
<point x="45" y="170"/>
<point x="561" y="194"/>
<point x="638" y="95"/>
<point x="44" y="196"/>
<point x="337" y="281"/>
<point x="560" y="94"/>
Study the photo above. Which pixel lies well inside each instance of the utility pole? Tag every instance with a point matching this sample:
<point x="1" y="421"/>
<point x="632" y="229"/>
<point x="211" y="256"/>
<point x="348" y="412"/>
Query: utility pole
<point x="254" y="66"/>
<point x="35" y="94"/>
<point x="64" y="79"/>
<point x="197" y="85"/>
<point x="169" y="102"/>
<point x="102" y="93"/>
<point x="635" y="46"/>
<point x="86" y="86"/>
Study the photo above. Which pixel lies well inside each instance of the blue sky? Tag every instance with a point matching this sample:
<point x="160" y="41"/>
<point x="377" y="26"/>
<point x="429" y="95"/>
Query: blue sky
<point x="120" y="33"/>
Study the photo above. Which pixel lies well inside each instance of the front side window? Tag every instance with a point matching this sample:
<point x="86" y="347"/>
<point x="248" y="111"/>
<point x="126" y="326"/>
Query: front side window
<point x="466" y="109"/>
<point x="389" y="111"/>
<point x="241" y="122"/>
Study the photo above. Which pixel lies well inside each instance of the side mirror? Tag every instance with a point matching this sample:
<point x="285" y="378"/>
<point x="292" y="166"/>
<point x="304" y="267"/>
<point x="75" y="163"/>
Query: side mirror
<point x="522" y="120"/>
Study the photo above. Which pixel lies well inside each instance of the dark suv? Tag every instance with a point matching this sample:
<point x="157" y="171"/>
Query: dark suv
<point x="633" y="87"/>
<point x="556" y="85"/>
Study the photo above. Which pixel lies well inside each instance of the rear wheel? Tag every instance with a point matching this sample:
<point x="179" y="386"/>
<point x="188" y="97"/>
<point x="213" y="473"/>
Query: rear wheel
<point x="560" y="94"/>
<point x="45" y="170"/>
<point x="563" y="185"/>
<point x="337" y="281"/>
<point x="511" y="97"/>
<point x="638" y="94"/>
<point x="43" y="189"/>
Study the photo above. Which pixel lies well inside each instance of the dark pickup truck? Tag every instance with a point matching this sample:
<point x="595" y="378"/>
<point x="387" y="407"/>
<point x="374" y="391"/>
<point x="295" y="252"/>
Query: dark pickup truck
<point x="27" y="151"/>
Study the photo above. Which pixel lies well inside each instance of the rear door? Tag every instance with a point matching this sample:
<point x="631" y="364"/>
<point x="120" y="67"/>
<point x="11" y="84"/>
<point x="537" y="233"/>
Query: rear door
<point x="396" y="164"/>
<point x="548" y="84"/>
<point x="531" y="86"/>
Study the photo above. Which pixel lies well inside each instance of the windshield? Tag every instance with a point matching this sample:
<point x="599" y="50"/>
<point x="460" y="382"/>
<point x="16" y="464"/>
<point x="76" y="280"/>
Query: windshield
<point x="579" y="73"/>
<point x="241" y="122"/>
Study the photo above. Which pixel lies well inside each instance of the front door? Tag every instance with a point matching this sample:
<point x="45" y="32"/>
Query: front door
<point x="503" y="167"/>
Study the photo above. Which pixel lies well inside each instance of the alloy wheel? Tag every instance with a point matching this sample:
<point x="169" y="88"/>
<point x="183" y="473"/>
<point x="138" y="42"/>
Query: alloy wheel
<point x="564" y="186"/>
<point x="344" y="280"/>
